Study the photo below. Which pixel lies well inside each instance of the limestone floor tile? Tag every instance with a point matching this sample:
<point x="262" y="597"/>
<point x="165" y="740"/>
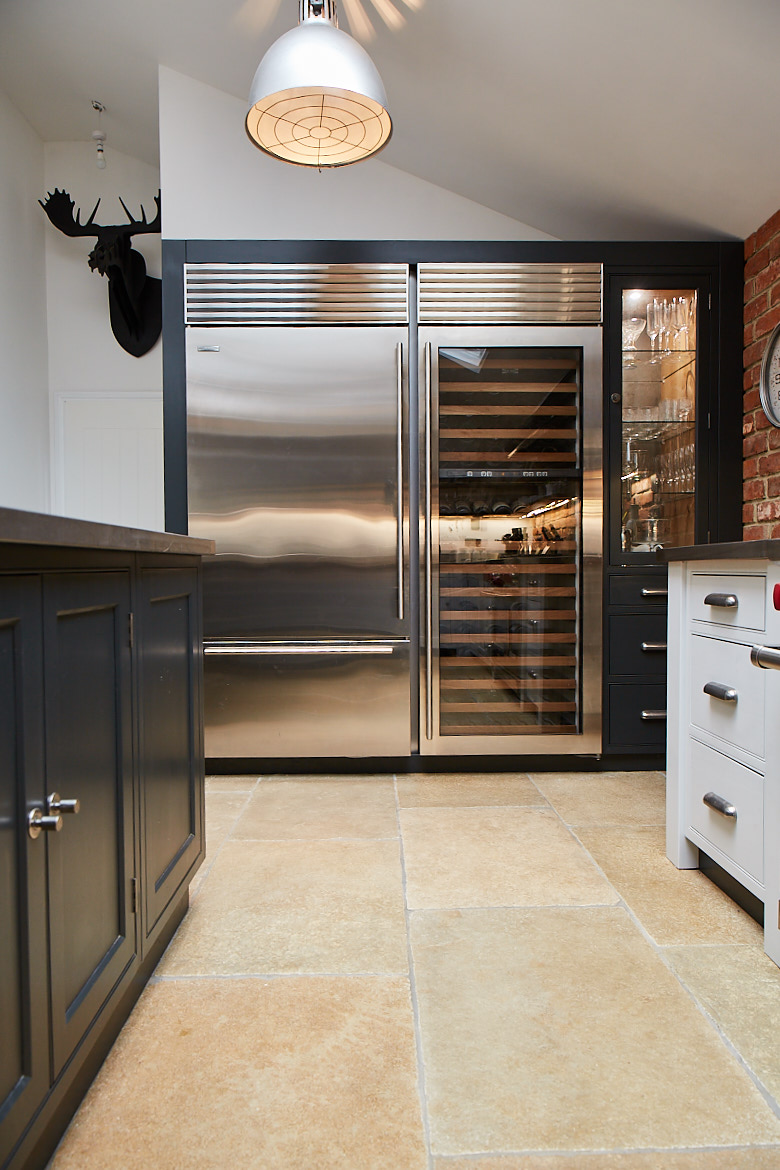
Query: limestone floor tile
<point x="740" y="988"/>
<point x="673" y="905"/>
<point x="754" y="1158"/>
<point x="222" y="811"/>
<point x="561" y="1029"/>
<point x="605" y="798"/>
<point x="468" y="789"/>
<point x="230" y="783"/>
<point x="256" y="1075"/>
<point x="282" y="906"/>
<point x="495" y="857"/>
<point x="320" y="807"/>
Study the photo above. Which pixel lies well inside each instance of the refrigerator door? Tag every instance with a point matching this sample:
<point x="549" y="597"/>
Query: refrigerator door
<point x="511" y="522"/>
<point x="297" y="469"/>
<point x="318" y="699"/>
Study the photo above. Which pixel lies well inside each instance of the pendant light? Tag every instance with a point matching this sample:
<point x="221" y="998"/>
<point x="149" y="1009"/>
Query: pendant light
<point x="317" y="99"/>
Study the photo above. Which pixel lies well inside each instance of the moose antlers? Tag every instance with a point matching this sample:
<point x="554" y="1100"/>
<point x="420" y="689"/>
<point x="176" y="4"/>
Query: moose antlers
<point x="60" y="209"/>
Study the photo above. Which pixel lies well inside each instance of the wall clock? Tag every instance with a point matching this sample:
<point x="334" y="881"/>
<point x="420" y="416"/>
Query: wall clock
<point x="769" y="385"/>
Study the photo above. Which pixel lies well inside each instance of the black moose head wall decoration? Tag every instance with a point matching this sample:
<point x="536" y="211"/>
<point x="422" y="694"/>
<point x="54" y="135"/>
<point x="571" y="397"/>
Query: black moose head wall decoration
<point x="134" y="299"/>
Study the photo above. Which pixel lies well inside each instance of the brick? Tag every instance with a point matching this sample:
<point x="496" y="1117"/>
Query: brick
<point x="757" y="307"/>
<point x="750" y="291"/>
<point x="748" y="426"/>
<point x="753" y="353"/>
<point x="774" y="296"/>
<point x="748" y="514"/>
<point x="750" y="245"/>
<point x="768" y="277"/>
<point x="757" y="262"/>
<point x="761" y="422"/>
<point x="772" y="488"/>
<point x="765" y="324"/>
<point x="775" y="532"/>
<point x="774" y="248"/>
<point x="748" y="334"/>
<point x="750" y="468"/>
<point x="751" y="400"/>
<point x="754" y="444"/>
<point x="768" y="230"/>
<point x="754" y="490"/>
<point x="755" y="532"/>
<point x="768" y="464"/>
<point x="774" y="439"/>
<point x="767" y="510"/>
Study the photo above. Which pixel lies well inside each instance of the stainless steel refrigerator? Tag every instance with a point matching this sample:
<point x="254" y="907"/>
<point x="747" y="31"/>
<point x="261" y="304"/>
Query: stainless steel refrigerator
<point x="323" y="483"/>
<point x="297" y="468"/>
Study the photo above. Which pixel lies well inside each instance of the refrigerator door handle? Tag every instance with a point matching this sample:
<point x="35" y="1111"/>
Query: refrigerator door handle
<point x="428" y="548"/>
<point x="399" y="357"/>
<point x="223" y="649"/>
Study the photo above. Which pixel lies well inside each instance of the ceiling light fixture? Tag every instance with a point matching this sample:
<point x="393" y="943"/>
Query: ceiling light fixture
<point x="99" y="136"/>
<point x="317" y="99"/>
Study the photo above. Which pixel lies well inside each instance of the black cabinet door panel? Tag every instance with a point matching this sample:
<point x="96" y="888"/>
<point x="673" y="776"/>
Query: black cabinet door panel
<point x="90" y="758"/>
<point x="637" y="644"/>
<point x="637" y="715"/>
<point x="24" y="1020"/>
<point x="170" y="733"/>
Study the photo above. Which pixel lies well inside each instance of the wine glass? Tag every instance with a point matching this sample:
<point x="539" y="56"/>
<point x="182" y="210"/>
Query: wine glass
<point x="632" y="327"/>
<point x="653" y="327"/>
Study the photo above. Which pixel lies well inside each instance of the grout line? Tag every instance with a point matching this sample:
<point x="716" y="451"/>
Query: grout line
<point x="307" y="840"/>
<point x="421" y="1087"/>
<point x="616" y="905"/>
<point x="620" y="1151"/>
<point x="183" y="978"/>
<point x="207" y="866"/>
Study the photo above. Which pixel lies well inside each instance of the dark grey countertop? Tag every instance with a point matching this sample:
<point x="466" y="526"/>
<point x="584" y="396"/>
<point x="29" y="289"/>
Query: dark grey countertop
<point x="64" y="532"/>
<point x="738" y="550"/>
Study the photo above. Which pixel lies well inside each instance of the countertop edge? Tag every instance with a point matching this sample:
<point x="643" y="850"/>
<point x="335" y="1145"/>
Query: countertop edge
<point x="739" y="550"/>
<point x="42" y="528"/>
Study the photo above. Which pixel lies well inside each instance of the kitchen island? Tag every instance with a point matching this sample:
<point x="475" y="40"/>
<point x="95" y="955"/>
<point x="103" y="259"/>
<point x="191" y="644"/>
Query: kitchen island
<point x="723" y="764"/>
<point x="101" y="797"/>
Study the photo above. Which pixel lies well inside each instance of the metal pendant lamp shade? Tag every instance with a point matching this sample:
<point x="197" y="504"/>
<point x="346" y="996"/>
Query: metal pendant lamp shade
<point x="317" y="99"/>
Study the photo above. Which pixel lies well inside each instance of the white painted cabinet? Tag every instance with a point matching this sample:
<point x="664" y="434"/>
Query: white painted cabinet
<point x="723" y="764"/>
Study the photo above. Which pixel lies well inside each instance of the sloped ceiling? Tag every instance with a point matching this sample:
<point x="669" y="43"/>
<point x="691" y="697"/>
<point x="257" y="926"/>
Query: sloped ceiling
<point x="589" y="119"/>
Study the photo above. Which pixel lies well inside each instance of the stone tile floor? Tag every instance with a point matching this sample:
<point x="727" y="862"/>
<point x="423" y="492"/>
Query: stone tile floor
<point x="489" y="972"/>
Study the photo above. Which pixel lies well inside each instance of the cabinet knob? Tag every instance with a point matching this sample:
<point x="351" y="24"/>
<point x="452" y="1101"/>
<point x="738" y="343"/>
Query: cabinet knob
<point x="720" y="691"/>
<point x="55" y="804"/>
<point x="722" y="600"/>
<point x="37" y="823"/>
<point x="719" y="804"/>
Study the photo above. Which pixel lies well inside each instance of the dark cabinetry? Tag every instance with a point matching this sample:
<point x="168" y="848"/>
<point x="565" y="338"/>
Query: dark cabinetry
<point x="101" y="812"/>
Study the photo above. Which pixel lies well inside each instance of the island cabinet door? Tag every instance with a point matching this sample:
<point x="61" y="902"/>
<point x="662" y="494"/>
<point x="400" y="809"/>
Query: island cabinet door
<point x="24" y="1020"/>
<point x="89" y="752"/>
<point x="170" y="736"/>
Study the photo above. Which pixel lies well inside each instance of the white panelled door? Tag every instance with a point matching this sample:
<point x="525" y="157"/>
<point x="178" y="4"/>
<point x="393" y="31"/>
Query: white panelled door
<point x="109" y="459"/>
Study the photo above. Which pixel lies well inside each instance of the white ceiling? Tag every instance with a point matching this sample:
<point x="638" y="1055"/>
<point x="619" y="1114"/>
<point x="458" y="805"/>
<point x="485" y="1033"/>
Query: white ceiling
<point x="588" y="119"/>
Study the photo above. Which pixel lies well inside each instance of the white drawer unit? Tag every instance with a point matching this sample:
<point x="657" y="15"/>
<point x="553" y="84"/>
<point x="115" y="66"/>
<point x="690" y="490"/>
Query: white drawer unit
<point x="725" y="811"/>
<point x="728" y="599"/>
<point x="723" y="744"/>
<point x="726" y="693"/>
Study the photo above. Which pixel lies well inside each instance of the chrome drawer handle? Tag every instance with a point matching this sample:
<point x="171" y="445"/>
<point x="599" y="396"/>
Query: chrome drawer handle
<point x="655" y="592"/>
<point x="719" y="804"/>
<point x="55" y="804"/>
<point x="767" y="657"/>
<point x="722" y="600"/>
<point x="651" y="647"/>
<point x="37" y="823"/>
<point x="720" y="691"/>
<point x="652" y="716"/>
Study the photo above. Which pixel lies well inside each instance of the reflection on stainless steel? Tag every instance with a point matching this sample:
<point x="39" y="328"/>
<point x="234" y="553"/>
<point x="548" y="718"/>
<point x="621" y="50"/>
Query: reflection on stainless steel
<point x="293" y="471"/>
<point x="399" y="355"/>
<point x="428" y="589"/>
<point x="511" y="294"/>
<point x="309" y="703"/>
<point x="228" y="649"/>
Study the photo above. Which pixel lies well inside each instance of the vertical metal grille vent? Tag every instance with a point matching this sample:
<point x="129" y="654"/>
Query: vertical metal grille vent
<point x="296" y="294"/>
<point x="510" y="294"/>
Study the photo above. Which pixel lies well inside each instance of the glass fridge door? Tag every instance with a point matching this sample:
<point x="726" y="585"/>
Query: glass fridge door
<point x="507" y="619"/>
<point x="658" y="447"/>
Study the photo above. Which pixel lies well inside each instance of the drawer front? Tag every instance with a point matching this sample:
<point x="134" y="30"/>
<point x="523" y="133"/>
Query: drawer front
<point x="632" y="710"/>
<point x="637" y="589"/>
<point x="740" y="838"/>
<point x="726" y="666"/>
<point x="637" y="644"/>
<point x="706" y="590"/>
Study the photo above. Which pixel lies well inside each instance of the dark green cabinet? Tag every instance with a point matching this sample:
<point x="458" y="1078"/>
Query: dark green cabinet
<point x="100" y="704"/>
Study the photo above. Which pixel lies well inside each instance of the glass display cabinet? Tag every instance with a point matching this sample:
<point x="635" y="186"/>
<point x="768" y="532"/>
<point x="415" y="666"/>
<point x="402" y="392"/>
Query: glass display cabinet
<point x="658" y="424"/>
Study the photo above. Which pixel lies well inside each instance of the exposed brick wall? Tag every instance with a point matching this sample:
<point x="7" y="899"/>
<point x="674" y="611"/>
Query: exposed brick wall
<point x="761" y="441"/>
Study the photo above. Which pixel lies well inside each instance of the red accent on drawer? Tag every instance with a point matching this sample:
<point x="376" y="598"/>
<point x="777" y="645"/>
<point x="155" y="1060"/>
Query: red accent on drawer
<point x="776" y="597"/>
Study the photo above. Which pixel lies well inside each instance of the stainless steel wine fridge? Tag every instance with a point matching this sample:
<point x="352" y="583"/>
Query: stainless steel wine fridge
<point x="408" y="552"/>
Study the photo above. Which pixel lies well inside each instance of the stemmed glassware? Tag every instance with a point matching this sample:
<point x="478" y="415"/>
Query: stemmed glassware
<point x="653" y="326"/>
<point x="632" y="327"/>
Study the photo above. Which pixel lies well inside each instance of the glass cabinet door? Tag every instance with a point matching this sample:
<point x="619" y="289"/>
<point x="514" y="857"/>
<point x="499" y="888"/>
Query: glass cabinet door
<point x="658" y="425"/>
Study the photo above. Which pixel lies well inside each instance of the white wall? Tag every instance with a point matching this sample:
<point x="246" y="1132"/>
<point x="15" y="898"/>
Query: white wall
<point x="24" y="399"/>
<point x="217" y="185"/>
<point x="83" y="352"/>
